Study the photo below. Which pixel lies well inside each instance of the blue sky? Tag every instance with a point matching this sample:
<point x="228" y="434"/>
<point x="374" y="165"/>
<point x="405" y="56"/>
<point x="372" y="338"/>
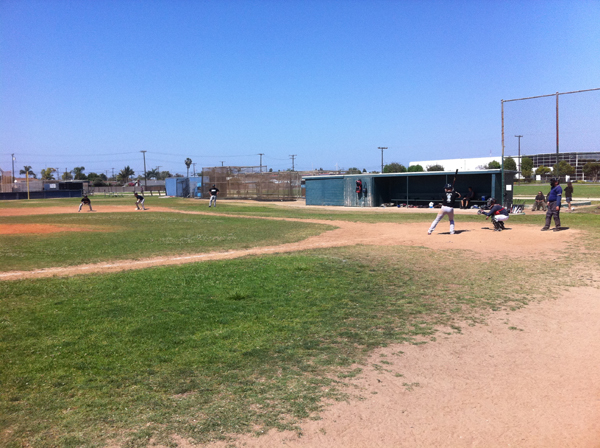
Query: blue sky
<point x="94" y="83"/>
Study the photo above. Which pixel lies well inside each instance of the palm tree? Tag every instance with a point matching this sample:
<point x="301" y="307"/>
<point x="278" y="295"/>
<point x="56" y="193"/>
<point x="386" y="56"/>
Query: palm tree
<point x="27" y="171"/>
<point x="78" y="173"/>
<point x="188" y="163"/>
<point x="125" y="174"/>
<point x="47" y="173"/>
<point x="153" y="174"/>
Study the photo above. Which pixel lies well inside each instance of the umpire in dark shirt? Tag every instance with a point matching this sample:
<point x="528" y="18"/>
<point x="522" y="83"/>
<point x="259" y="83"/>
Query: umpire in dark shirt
<point x="554" y="198"/>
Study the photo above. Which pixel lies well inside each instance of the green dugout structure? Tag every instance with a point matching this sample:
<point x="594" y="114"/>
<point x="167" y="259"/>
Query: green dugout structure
<point x="405" y="188"/>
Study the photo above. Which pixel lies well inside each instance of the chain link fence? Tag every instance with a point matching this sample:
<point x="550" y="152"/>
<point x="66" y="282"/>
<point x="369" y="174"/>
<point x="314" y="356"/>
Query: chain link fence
<point x="252" y="182"/>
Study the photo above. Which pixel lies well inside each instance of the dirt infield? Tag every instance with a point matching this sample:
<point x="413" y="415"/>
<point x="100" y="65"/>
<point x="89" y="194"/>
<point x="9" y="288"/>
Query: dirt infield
<point x="478" y="238"/>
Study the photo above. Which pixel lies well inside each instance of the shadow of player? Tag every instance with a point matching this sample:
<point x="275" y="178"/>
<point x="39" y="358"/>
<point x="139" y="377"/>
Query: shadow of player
<point x="456" y="232"/>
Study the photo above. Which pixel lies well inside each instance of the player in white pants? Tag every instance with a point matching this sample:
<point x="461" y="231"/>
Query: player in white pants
<point x="498" y="213"/>
<point x="139" y="201"/>
<point x="450" y="197"/>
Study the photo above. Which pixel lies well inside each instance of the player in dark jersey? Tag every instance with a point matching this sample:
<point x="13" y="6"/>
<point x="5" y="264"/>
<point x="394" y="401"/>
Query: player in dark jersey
<point x="498" y="213"/>
<point x="85" y="200"/>
<point x="139" y="201"/>
<point x="448" y="200"/>
<point x="213" y="196"/>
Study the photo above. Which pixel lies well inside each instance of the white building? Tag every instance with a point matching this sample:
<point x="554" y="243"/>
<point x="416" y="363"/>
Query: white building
<point x="458" y="164"/>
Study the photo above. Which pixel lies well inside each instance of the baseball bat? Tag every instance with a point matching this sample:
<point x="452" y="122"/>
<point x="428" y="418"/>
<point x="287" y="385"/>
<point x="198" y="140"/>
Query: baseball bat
<point x="454" y="178"/>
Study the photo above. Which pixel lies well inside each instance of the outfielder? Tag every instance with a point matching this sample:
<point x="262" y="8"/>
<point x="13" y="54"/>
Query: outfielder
<point x="85" y="200"/>
<point x="140" y="201"/>
<point x="498" y="214"/>
<point x="450" y="197"/>
<point x="213" y="196"/>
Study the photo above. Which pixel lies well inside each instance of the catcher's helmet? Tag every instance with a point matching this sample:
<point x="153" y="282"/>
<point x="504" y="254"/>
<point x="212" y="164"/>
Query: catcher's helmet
<point x="491" y="201"/>
<point x="448" y="187"/>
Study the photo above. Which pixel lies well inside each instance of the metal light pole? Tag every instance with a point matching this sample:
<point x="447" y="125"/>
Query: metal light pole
<point x="261" y="154"/>
<point x="557" y="168"/>
<point x="519" y="137"/>
<point x="502" y="172"/>
<point x="382" y="148"/>
<point x="145" y="177"/>
<point x="13" y="172"/>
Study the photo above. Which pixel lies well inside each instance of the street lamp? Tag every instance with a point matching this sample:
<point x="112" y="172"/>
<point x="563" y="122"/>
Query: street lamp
<point x="382" y="148"/>
<point x="145" y="177"/>
<point x="519" y="137"/>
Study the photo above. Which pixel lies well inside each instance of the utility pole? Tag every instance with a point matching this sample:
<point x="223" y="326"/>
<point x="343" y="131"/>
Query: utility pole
<point x="13" y="172"/>
<point x="382" y="148"/>
<point x="293" y="156"/>
<point x="194" y="168"/>
<point x="261" y="154"/>
<point x="557" y="167"/>
<point x="113" y="173"/>
<point x="519" y="168"/>
<point x="145" y="177"/>
<point x="222" y="163"/>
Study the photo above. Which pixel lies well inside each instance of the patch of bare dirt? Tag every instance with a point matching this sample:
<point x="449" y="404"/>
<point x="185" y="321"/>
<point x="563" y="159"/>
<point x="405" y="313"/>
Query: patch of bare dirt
<point x="15" y="229"/>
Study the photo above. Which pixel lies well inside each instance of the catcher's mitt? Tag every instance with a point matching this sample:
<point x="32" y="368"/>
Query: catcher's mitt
<point x="479" y="212"/>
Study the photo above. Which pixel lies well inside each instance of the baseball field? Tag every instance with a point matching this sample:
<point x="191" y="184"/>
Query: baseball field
<point x="256" y="324"/>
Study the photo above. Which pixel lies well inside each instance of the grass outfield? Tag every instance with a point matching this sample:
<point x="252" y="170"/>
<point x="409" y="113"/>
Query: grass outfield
<point x="579" y="190"/>
<point x="221" y="347"/>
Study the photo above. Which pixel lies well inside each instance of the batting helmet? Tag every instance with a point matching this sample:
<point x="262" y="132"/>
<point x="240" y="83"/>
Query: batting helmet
<point x="448" y="187"/>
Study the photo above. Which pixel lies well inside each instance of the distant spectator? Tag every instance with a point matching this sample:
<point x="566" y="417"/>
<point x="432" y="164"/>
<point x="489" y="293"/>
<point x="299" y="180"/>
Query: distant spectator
<point x="539" y="203"/>
<point x="569" y="194"/>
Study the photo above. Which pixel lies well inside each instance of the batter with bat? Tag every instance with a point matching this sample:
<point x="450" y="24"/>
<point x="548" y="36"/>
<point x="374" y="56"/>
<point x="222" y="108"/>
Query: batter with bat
<point x="449" y="198"/>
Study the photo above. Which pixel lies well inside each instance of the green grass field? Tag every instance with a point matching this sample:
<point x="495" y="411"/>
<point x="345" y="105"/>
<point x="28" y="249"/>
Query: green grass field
<point x="223" y="347"/>
<point x="136" y="235"/>
<point x="579" y="190"/>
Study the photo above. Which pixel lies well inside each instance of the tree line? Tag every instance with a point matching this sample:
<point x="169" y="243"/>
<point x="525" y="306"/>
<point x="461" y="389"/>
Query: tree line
<point x="124" y="176"/>
<point x="591" y="169"/>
